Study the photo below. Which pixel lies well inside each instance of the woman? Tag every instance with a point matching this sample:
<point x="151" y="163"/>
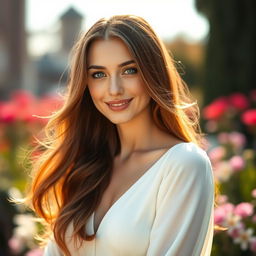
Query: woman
<point x="123" y="172"/>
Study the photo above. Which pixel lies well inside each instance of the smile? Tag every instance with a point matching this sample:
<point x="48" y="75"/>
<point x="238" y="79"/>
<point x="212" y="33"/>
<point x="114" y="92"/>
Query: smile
<point x="118" y="105"/>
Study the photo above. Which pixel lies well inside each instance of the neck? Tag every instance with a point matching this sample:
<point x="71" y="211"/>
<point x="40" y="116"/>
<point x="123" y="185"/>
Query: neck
<point x="137" y="134"/>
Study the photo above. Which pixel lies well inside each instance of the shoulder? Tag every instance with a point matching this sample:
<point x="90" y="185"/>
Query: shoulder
<point x="187" y="158"/>
<point x="187" y="168"/>
<point x="188" y="151"/>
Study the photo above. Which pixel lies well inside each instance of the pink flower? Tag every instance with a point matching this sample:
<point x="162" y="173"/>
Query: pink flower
<point x="237" y="163"/>
<point x="244" y="210"/>
<point x="254" y="193"/>
<point x="221" y="199"/>
<point x="235" y="230"/>
<point x="238" y="101"/>
<point x="223" y="137"/>
<point x="16" y="244"/>
<point x="211" y="126"/>
<point x="221" y="212"/>
<point x="222" y="171"/>
<point x="253" y="244"/>
<point x="228" y="207"/>
<point x="249" y="117"/>
<point x="35" y="252"/>
<point x="244" y="238"/>
<point x="237" y="139"/>
<point x="219" y="216"/>
<point x="216" y="109"/>
<point x="231" y="221"/>
<point x="217" y="153"/>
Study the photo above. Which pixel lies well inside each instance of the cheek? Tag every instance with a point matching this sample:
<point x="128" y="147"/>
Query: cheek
<point x="140" y="90"/>
<point x="94" y="92"/>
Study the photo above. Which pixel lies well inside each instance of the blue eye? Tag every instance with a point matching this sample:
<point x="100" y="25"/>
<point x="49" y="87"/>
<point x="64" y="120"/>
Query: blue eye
<point x="130" y="71"/>
<point x="98" y="75"/>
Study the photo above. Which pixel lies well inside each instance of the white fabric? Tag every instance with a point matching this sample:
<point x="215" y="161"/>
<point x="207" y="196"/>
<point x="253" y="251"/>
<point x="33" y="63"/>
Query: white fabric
<point x="166" y="212"/>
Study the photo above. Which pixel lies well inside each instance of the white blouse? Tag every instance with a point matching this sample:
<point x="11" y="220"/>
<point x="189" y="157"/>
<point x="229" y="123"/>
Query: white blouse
<point x="168" y="211"/>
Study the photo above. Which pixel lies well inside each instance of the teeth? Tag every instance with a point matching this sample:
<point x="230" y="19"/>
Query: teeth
<point x="118" y="104"/>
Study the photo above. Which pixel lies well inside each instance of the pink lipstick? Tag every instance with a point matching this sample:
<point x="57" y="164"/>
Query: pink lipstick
<point x="119" y="105"/>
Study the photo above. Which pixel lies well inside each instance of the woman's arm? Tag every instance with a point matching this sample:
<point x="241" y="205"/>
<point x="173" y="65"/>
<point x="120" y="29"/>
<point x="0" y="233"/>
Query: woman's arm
<point x="184" y="207"/>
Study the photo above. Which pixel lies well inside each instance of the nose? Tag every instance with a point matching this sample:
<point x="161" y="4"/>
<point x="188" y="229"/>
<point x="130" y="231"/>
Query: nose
<point x="115" y="86"/>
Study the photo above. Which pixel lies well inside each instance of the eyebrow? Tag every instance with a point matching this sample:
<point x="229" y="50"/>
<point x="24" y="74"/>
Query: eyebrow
<point x="120" y="65"/>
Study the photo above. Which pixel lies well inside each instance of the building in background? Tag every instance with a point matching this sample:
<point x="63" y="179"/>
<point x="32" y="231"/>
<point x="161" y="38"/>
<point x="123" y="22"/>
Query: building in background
<point x="52" y="67"/>
<point x="19" y="70"/>
<point x="71" y="23"/>
<point x="13" y="54"/>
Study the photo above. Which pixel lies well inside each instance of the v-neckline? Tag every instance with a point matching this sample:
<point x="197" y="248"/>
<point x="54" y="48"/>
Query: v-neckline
<point x="130" y="188"/>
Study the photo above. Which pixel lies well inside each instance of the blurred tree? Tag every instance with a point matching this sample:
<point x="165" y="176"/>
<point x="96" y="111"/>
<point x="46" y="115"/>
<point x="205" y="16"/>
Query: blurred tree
<point x="230" y="52"/>
<point x="188" y="58"/>
<point x="7" y="212"/>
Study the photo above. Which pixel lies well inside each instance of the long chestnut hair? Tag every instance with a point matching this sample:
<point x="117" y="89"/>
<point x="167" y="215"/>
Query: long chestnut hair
<point x="74" y="169"/>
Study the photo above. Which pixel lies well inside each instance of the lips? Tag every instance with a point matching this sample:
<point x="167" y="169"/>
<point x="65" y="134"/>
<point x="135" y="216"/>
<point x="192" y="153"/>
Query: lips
<point x="117" y="105"/>
<point x="118" y="102"/>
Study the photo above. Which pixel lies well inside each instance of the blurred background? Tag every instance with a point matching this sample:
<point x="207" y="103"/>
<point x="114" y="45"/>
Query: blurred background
<point x="213" y="43"/>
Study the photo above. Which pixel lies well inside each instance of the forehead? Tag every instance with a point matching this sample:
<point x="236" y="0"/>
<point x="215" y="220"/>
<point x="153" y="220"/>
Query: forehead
<point x="108" y="51"/>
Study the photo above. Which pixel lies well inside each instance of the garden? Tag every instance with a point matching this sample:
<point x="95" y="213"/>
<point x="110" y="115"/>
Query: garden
<point x="229" y="123"/>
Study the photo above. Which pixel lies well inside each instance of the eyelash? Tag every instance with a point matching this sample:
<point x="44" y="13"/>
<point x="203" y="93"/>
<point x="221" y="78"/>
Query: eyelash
<point x="134" y="70"/>
<point x="95" y="74"/>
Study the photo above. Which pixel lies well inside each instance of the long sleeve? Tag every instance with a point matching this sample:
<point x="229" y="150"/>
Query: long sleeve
<point x="183" y="219"/>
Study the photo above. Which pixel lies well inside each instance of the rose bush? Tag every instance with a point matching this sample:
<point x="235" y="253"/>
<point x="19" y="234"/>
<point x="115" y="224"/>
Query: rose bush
<point x="230" y="123"/>
<point x="22" y="118"/>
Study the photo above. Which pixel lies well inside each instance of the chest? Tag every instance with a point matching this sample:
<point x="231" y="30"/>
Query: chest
<point x="123" y="178"/>
<point x="127" y="224"/>
<point x="119" y="184"/>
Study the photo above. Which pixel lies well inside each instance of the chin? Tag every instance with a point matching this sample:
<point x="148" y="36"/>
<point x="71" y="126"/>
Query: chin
<point x="118" y="120"/>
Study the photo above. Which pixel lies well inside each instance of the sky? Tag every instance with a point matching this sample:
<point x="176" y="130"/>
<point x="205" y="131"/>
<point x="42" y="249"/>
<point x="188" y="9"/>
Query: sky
<point x="168" y="18"/>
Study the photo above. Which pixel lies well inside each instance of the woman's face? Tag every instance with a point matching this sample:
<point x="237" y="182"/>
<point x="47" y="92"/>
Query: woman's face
<point x="114" y="82"/>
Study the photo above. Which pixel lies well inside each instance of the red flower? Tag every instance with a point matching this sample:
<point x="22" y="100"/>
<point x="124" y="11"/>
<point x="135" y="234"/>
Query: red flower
<point x="47" y="105"/>
<point x="8" y="112"/>
<point x="216" y="109"/>
<point x="249" y="117"/>
<point x="20" y="107"/>
<point x="26" y="105"/>
<point x="23" y="98"/>
<point x="238" y="101"/>
<point x="23" y="106"/>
